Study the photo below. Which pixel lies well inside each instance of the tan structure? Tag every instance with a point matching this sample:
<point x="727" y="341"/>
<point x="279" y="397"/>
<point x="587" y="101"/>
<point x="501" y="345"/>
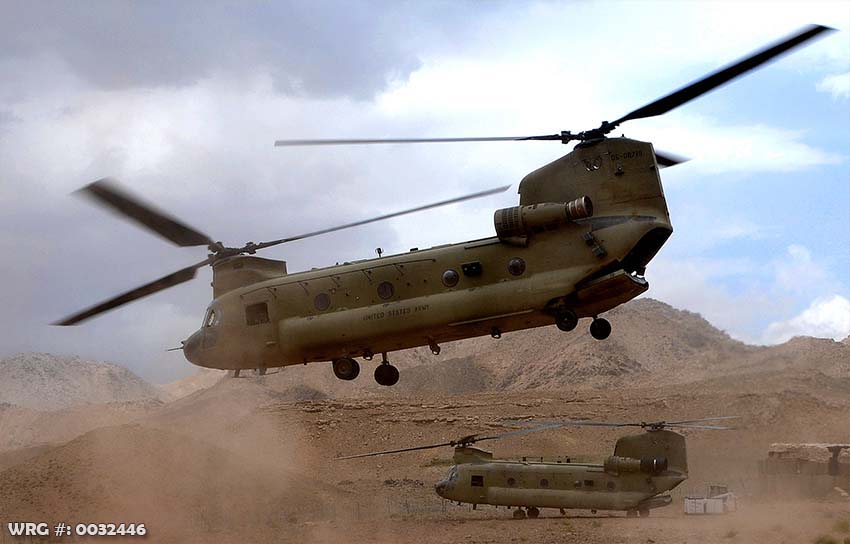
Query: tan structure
<point x="805" y="470"/>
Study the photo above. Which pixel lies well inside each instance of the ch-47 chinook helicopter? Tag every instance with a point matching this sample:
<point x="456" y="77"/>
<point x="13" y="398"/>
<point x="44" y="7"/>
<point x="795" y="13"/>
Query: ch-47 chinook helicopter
<point x="577" y="245"/>
<point x="633" y="479"/>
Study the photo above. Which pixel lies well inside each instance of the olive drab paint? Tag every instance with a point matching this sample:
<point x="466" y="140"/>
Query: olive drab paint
<point x="586" y="265"/>
<point x="636" y="483"/>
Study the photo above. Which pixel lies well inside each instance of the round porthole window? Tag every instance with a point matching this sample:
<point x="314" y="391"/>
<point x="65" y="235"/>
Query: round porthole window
<point x="544" y="483"/>
<point x="385" y="290"/>
<point x="450" y="278"/>
<point x="511" y="482"/>
<point x="322" y="302"/>
<point x="516" y="266"/>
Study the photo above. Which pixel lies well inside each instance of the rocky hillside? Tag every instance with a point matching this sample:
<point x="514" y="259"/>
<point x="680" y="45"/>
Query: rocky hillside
<point x="41" y="381"/>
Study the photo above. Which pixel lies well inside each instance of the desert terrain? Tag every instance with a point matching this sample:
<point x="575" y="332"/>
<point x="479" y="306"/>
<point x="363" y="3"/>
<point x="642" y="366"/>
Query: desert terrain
<point x="216" y="459"/>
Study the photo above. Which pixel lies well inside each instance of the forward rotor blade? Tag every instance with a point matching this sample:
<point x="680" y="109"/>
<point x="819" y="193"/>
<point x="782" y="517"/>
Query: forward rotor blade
<point x="716" y="79"/>
<point x="107" y="193"/>
<point x="164" y="282"/>
<point x="665" y="160"/>
<point x="541" y="427"/>
<point x="402" y="450"/>
<point x="466" y="440"/>
<point x="381" y="218"/>
<point x="358" y="141"/>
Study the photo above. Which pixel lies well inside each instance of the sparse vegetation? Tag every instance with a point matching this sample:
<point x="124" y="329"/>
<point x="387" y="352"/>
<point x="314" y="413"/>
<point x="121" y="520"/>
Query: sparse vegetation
<point x="732" y="533"/>
<point x="842" y="526"/>
<point x="826" y="539"/>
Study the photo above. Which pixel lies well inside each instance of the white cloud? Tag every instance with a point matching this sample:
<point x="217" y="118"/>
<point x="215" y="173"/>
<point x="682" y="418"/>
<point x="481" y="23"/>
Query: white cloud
<point x="753" y="301"/>
<point x="825" y="318"/>
<point x="838" y="85"/>
<point x="797" y="272"/>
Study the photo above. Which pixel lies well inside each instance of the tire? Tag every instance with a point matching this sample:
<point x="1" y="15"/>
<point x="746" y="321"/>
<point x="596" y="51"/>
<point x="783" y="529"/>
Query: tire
<point x="346" y="368"/>
<point x="386" y="374"/>
<point x="600" y="329"/>
<point x="566" y="320"/>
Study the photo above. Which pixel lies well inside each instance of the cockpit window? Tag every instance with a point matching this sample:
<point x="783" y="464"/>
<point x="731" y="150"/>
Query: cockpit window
<point x="453" y="474"/>
<point x="211" y="318"/>
<point x="256" y="314"/>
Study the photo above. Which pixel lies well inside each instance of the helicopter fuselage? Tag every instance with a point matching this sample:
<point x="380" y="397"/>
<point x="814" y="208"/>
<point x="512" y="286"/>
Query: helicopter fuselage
<point x="634" y="479"/>
<point x="262" y="317"/>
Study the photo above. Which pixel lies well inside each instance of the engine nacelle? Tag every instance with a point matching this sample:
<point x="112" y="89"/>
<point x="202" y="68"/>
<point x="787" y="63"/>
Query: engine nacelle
<point x="517" y="223"/>
<point x="617" y="465"/>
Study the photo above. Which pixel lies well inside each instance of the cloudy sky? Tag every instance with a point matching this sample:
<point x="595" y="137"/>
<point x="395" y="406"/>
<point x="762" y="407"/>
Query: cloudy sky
<point x="182" y="102"/>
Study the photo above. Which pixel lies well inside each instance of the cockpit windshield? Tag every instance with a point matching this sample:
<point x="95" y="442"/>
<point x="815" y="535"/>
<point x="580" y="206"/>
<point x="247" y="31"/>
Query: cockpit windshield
<point x="453" y="474"/>
<point x="212" y="317"/>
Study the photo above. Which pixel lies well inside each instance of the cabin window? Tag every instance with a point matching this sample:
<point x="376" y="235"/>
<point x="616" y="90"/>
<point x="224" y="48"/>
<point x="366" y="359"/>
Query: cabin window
<point x="322" y="302"/>
<point x="257" y="314"/>
<point x="544" y="483"/>
<point x="450" y="278"/>
<point x="511" y="482"/>
<point x="386" y="290"/>
<point x="588" y="483"/>
<point x="210" y="318"/>
<point x="477" y="481"/>
<point x="516" y="266"/>
<point x="577" y="484"/>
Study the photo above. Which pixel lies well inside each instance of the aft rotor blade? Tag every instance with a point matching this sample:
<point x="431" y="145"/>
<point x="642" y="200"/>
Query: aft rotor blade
<point x="381" y="217"/>
<point x="716" y="79"/>
<point x="585" y="424"/>
<point x="716" y="418"/>
<point x="665" y="160"/>
<point x="359" y="141"/>
<point x="702" y="427"/>
<point x="107" y="193"/>
<point x="402" y="450"/>
<point x="164" y="282"/>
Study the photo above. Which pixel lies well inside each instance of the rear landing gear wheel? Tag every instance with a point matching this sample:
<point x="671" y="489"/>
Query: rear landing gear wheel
<point x="519" y="513"/>
<point x="346" y="368"/>
<point x="533" y="512"/>
<point x="566" y="320"/>
<point x="600" y="329"/>
<point x="644" y="513"/>
<point x="386" y="374"/>
<point x="631" y="513"/>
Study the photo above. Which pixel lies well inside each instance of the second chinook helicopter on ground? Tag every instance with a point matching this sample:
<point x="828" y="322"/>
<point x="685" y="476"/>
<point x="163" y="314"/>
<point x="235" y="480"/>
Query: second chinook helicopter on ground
<point x="634" y="479"/>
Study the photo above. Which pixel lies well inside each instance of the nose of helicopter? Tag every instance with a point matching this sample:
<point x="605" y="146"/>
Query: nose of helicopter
<point x="192" y="347"/>
<point x="440" y="488"/>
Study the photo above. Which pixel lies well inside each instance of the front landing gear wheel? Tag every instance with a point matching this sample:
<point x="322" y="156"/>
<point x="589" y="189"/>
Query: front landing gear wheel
<point x="566" y="320"/>
<point x="519" y="513"/>
<point x="386" y="374"/>
<point x="533" y="512"/>
<point x="346" y="368"/>
<point x="644" y="513"/>
<point x="600" y="329"/>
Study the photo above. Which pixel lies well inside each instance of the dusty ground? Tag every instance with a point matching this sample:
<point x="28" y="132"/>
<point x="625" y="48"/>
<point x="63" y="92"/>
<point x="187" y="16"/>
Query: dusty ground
<point x="252" y="460"/>
<point x="241" y="463"/>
